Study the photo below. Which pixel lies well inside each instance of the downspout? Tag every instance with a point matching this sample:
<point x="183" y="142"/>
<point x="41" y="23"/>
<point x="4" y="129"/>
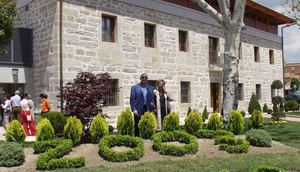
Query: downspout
<point x="61" y="54"/>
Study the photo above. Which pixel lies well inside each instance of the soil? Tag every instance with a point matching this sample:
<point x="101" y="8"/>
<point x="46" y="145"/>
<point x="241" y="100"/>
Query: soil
<point x="207" y="149"/>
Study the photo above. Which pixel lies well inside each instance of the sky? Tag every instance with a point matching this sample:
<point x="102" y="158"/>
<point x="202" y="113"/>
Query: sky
<point x="291" y="35"/>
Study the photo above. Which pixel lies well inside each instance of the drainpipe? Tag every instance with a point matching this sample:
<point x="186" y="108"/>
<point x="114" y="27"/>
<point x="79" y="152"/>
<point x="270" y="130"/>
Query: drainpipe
<point x="61" y="54"/>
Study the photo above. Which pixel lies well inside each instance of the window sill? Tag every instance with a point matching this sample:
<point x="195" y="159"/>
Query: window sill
<point x="215" y="67"/>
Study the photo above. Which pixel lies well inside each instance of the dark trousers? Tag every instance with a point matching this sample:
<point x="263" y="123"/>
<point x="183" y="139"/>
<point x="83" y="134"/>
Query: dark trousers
<point x="136" y="122"/>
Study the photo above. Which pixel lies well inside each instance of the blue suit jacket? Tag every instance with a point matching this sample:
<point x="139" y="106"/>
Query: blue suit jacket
<point x="137" y="99"/>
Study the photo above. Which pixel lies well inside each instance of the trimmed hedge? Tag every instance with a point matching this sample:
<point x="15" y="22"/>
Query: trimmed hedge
<point x="11" y="154"/>
<point x="205" y="114"/>
<point x="256" y="120"/>
<point x="267" y="168"/>
<point x="147" y="125"/>
<point x="215" y="122"/>
<point x="191" y="146"/>
<point x="107" y="153"/>
<point x="99" y="129"/>
<point x="15" y="132"/>
<point x="44" y="130"/>
<point x="125" y="123"/>
<point x="57" y="120"/>
<point x="53" y="151"/>
<point x="73" y="130"/>
<point x="231" y="144"/>
<point x="257" y="137"/>
<point x="210" y="134"/>
<point x="171" y="122"/>
<point x="193" y="122"/>
<point x="236" y="122"/>
<point x="253" y="104"/>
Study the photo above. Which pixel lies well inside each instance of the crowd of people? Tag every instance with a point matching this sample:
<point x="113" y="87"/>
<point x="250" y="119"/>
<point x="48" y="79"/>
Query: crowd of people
<point x="20" y="107"/>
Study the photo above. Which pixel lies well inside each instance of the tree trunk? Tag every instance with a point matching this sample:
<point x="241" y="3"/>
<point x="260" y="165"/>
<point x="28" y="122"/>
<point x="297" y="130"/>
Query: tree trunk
<point x="230" y="73"/>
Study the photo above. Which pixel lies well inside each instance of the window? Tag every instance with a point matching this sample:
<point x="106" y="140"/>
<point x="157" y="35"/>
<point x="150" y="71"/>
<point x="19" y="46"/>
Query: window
<point x="153" y="83"/>
<point x="256" y="54"/>
<point x="271" y="56"/>
<point x="240" y="92"/>
<point x="272" y="92"/>
<point x="149" y="35"/>
<point x="213" y="50"/>
<point x="185" y="91"/>
<point x="240" y="51"/>
<point x="113" y="95"/>
<point x="258" y="91"/>
<point x="108" y="28"/>
<point x="182" y="40"/>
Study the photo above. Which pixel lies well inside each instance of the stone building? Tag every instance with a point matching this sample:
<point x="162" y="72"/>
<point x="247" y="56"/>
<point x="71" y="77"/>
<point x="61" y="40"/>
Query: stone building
<point x="167" y="39"/>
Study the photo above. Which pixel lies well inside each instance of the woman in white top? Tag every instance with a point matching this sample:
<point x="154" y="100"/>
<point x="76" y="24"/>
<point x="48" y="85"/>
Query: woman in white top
<point x="6" y="112"/>
<point x="26" y="116"/>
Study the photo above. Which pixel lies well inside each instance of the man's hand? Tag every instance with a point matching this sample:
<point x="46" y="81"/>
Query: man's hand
<point x="135" y="113"/>
<point x="152" y="105"/>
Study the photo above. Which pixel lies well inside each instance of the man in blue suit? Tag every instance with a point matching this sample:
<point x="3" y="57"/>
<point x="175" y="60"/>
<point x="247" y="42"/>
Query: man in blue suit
<point x="141" y="100"/>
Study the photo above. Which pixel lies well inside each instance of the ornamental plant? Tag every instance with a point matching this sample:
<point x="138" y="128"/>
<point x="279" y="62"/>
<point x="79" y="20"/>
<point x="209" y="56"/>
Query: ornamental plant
<point x="253" y="104"/>
<point x="258" y="137"/>
<point x="193" y="122"/>
<point x="73" y="130"/>
<point x="147" y="125"/>
<point x="291" y="105"/>
<point x="171" y="122"/>
<point x="99" y="129"/>
<point x="205" y="114"/>
<point x="243" y="113"/>
<point x="189" y="111"/>
<point x="215" y="122"/>
<point x="44" y="130"/>
<point x="57" y="120"/>
<point x="236" y="122"/>
<point x="265" y="108"/>
<point x="15" y="132"/>
<point x="125" y="123"/>
<point x="256" y="120"/>
<point x="11" y="154"/>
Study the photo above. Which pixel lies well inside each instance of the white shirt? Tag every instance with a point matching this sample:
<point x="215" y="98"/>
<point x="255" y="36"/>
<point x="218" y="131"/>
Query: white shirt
<point x="24" y="105"/>
<point x="6" y="105"/>
<point x="15" y="100"/>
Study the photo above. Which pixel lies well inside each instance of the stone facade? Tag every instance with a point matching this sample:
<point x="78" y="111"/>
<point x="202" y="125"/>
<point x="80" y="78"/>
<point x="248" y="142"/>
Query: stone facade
<point x="127" y="57"/>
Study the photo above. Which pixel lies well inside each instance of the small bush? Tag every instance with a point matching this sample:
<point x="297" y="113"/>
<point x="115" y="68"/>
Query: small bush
<point x="11" y="154"/>
<point x="15" y="132"/>
<point x="205" y="114"/>
<point x="236" y="122"/>
<point x="256" y="120"/>
<point x="253" y="104"/>
<point x="265" y="108"/>
<point x="193" y="122"/>
<point x="209" y="134"/>
<point x="292" y="105"/>
<point x="73" y="130"/>
<point x="171" y="122"/>
<point x="99" y="129"/>
<point x="57" y="120"/>
<point x="231" y="144"/>
<point x="270" y="111"/>
<point x="44" y="130"/>
<point x="257" y="137"/>
<point x="125" y="123"/>
<point x="215" y="122"/>
<point x="267" y="168"/>
<point x="243" y="113"/>
<point x="189" y="111"/>
<point x="147" y="125"/>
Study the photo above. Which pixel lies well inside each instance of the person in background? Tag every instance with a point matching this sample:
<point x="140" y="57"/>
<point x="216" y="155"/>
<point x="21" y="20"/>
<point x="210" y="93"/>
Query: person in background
<point x="2" y="101"/>
<point x="45" y="104"/>
<point x="16" y="107"/>
<point x="6" y="111"/>
<point x="26" y="116"/>
<point x="32" y="105"/>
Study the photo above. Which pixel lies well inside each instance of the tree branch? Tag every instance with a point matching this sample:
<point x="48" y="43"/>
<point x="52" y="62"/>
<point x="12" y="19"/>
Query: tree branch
<point x="238" y="14"/>
<point x="225" y="10"/>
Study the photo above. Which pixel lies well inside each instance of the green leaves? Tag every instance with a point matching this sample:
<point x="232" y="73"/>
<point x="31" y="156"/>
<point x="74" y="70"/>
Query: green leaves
<point x="99" y="129"/>
<point x="171" y="122"/>
<point x="215" y="122"/>
<point x="147" y="125"/>
<point x="11" y="154"/>
<point x="258" y="137"/>
<point x="193" y="122"/>
<point x="44" y="130"/>
<point x="73" y="130"/>
<point x="125" y="123"/>
<point x="236" y="122"/>
<point x="15" y="132"/>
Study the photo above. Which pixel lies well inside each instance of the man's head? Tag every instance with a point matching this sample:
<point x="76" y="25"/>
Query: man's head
<point x="144" y="79"/>
<point x="17" y="92"/>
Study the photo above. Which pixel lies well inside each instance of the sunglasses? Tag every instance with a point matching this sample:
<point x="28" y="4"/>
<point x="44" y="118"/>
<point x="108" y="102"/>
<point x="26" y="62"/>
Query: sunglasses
<point x="144" y="77"/>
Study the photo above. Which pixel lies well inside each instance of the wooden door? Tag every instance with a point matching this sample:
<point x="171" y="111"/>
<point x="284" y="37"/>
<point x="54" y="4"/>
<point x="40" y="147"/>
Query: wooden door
<point x="214" y="96"/>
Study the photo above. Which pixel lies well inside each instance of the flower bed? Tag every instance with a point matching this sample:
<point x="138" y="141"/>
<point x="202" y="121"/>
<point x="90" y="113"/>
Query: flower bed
<point x="231" y="144"/>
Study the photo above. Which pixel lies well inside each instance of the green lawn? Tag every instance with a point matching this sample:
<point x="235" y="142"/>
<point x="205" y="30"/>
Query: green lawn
<point x="293" y="113"/>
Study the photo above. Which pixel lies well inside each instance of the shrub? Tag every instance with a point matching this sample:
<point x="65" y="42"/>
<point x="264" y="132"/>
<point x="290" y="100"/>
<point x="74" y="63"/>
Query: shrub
<point x="171" y="122"/>
<point x="270" y="111"/>
<point x="193" y="122"/>
<point x="256" y="120"/>
<point x="191" y="146"/>
<point x="204" y="114"/>
<point x="54" y="149"/>
<point x="99" y="129"/>
<point x="73" y="130"/>
<point x="265" y="108"/>
<point x="209" y="134"/>
<point x="44" y="130"/>
<point x="291" y="105"/>
<point x="215" y="122"/>
<point x="125" y="123"/>
<point x="15" y="132"/>
<point x="257" y="137"/>
<point x="253" y="104"/>
<point x="11" y="154"/>
<point x="107" y="153"/>
<point x="57" y="120"/>
<point x="236" y="122"/>
<point x="243" y="113"/>
<point x="267" y="168"/>
<point x="189" y="111"/>
<point x="147" y="125"/>
<point x="231" y="144"/>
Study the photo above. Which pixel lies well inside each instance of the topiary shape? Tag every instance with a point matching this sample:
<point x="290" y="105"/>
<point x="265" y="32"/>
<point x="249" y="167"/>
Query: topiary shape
<point x="236" y="122"/>
<point x="57" y="120"/>
<point x="256" y="120"/>
<point x="99" y="129"/>
<point x="44" y="130"/>
<point x="189" y="111"/>
<point x="171" y="122"/>
<point x="73" y="130"/>
<point x="265" y="108"/>
<point x="193" y="122"/>
<point x="15" y="132"/>
<point x="205" y="114"/>
<point x="125" y="123"/>
<point x="253" y="104"/>
<point x="147" y="125"/>
<point x="215" y="122"/>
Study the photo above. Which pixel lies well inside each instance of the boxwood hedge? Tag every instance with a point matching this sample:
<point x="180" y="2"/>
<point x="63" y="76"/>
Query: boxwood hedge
<point x="231" y="144"/>
<point x="11" y="154"/>
<point x="209" y="134"/>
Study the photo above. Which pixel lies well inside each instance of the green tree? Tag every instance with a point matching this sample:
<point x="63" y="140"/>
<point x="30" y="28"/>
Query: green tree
<point x="253" y="104"/>
<point x="295" y="82"/>
<point x="292" y="8"/>
<point x="277" y="84"/>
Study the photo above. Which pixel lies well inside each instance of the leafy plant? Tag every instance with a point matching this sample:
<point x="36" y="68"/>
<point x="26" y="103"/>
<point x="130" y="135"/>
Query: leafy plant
<point x="44" y="130"/>
<point x="99" y="129"/>
<point x="193" y="122"/>
<point x="205" y="114"/>
<point x="265" y="108"/>
<point x="270" y="111"/>
<point x="243" y="113"/>
<point x="171" y="122"/>
<point x="209" y="134"/>
<point x="15" y="132"/>
<point x="256" y="120"/>
<point x="258" y="137"/>
<point x="236" y="122"/>
<point x="125" y="123"/>
<point x="11" y="154"/>
<point x="189" y="111"/>
<point x="277" y="84"/>
<point x="253" y="104"/>
<point x="291" y="105"/>
<point x="57" y="120"/>
<point x="231" y="144"/>
<point x="147" y="125"/>
<point x="295" y="82"/>
<point x="215" y="122"/>
<point x="73" y="130"/>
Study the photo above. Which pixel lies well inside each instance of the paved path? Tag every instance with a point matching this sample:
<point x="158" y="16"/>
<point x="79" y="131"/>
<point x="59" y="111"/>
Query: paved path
<point x="27" y="139"/>
<point x="288" y="118"/>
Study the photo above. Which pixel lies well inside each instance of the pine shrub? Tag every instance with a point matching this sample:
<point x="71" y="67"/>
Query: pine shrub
<point x="193" y="122"/>
<point x="215" y="122"/>
<point x="265" y="108"/>
<point x="15" y="132"/>
<point x="57" y="120"/>
<point x="258" y="137"/>
<point x="11" y="154"/>
<point x="253" y="104"/>
<point x="243" y="113"/>
<point x="291" y="105"/>
<point x="44" y="130"/>
<point x="189" y="111"/>
<point x="147" y="125"/>
<point x="236" y="122"/>
<point x="73" y="130"/>
<point x="256" y="120"/>
<point x="205" y="114"/>
<point x="171" y="122"/>
<point x="99" y="129"/>
<point x="125" y="123"/>
<point x="270" y="111"/>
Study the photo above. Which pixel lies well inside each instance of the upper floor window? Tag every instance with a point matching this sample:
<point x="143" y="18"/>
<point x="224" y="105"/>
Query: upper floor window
<point x="149" y="35"/>
<point x="185" y="92"/>
<point x="108" y="28"/>
<point x="182" y="40"/>
<point x="256" y="54"/>
<point x="271" y="56"/>
<point x="213" y="50"/>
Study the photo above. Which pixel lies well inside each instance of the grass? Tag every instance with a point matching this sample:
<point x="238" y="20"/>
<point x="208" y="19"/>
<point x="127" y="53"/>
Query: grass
<point x="293" y="113"/>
